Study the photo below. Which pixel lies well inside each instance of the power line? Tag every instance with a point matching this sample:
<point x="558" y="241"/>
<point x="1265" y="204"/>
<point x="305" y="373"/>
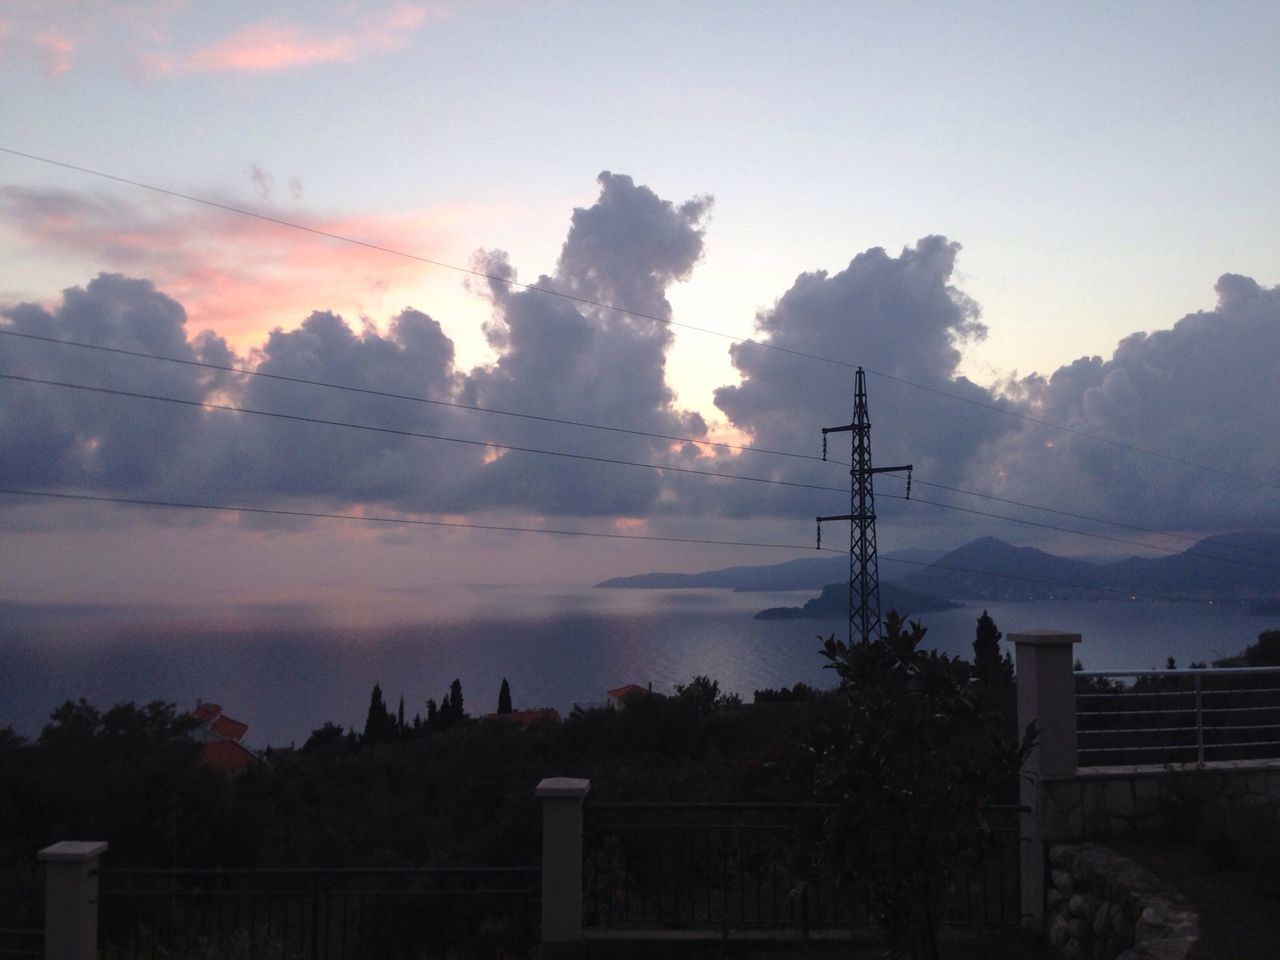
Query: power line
<point x="209" y="405"/>
<point x="1128" y="594"/>
<point x="412" y="521"/>
<point x="470" y="271"/>
<point x="1080" y="533"/>
<point x="1085" y="517"/>
<point x="1076" y="432"/>
<point x="402" y="396"/>
<point x="623" y="430"/>
<point x="587" y="301"/>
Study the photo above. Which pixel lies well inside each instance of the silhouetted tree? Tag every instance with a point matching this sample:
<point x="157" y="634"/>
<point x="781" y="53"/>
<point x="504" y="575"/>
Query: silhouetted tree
<point x="988" y="664"/>
<point x="400" y="717"/>
<point x="504" y="697"/>
<point x="1266" y="652"/>
<point x="379" y="725"/>
<point x="917" y="755"/>
<point x="702" y="692"/>
<point x="433" y="715"/>
<point x="323" y="736"/>
<point x="455" y="702"/>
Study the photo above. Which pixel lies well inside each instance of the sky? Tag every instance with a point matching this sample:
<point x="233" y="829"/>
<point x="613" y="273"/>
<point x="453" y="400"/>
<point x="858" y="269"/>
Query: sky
<point x="1049" y="232"/>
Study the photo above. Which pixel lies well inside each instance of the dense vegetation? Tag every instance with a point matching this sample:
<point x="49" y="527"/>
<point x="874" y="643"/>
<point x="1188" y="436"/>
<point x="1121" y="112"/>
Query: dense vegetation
<point x="455" y="790"/>
<point x="449" y="789"/>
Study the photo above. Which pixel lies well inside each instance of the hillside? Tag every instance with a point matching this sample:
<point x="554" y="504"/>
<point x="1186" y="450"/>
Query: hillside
<point x="807" y="573"/>
<point x="833" y="603"/>
<point x="1229" y="566"/>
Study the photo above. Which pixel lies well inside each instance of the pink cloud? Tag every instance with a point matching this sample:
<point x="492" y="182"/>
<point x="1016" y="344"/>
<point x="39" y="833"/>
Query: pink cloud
<point x="56" y="52"/>
<point x="272" y="46"/>
<point x="237" y="276"/>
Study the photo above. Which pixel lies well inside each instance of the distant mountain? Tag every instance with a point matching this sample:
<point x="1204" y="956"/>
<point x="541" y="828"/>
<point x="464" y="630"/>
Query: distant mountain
<point x="807" y="573"/>
<point x="1229" y="566"/>
<point x="1239" y="566"/>
<point x="833" y="603"/>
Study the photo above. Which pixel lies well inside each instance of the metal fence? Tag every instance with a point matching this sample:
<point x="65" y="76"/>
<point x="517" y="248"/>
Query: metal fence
<point x="1177" y="716"/>
<point x="317" y="914"/>
<point x="736" y="867"/>
<point x="21" y="913"/>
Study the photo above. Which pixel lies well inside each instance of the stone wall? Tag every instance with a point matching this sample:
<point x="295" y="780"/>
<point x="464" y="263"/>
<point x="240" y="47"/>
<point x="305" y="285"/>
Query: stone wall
<point x="1103" y="906"/>
<point x="1235" y="804"/>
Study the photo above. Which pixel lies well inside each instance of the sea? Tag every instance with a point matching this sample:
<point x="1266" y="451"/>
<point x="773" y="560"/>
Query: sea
<point x="285" y="671"/>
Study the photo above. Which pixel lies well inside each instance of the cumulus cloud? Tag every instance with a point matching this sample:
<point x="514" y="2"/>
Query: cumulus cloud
<point x="556" y="358"/>
<point x="239" y="276"/>
<point x="51" y="437"/>
<point x="897" y="316"/>
<point x="1203" y="392"/>
<point x="567" y="359"/>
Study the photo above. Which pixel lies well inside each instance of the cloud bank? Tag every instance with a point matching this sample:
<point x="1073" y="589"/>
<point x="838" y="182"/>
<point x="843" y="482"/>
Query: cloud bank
<point x="1200" y="392"/>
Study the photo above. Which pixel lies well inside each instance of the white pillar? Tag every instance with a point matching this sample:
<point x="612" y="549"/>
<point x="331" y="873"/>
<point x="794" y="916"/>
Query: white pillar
<point x="561" y="858"/>
<point x="1046" y="695"/>
<point x="71" y="899"/>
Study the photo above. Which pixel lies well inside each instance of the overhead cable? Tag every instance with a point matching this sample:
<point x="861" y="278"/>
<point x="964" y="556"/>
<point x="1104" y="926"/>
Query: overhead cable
<point x="411" y="521"/>
<point x="602" y="305"/>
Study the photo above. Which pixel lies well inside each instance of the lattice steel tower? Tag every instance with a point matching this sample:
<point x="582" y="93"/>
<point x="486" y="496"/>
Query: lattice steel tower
<point x="864" y="569"/>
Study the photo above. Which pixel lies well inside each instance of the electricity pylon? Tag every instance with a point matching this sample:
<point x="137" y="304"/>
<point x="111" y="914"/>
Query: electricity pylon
<point x="864" y="568"/>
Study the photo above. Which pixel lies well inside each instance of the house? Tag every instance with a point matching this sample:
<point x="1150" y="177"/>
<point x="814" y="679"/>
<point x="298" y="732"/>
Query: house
<point x="220" y="737"/>
<point x="617" y="699"/>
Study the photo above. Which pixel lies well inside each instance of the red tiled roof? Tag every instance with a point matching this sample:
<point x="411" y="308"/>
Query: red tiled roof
<point x="227" y="756"/>
<point x="224" y="726"/>
<point x="627" y="691"/>
<point x="204" y="712"/>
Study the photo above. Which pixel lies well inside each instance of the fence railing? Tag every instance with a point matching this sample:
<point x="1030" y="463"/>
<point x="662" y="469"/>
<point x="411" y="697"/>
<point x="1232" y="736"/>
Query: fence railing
<point x="1177" y="716"/>
<point x="21" y="943"/>
<point x="736" y="867"/>
<point x="21" y="915"/>
<point x="317" y="914"/>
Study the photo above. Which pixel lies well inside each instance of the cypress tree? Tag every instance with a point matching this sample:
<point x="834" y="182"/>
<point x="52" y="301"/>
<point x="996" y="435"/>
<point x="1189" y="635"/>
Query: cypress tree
<point x="378" y="719"/>
<point x="987" y="662"/>
<point x="455" y="701"/>
<point x="504" y="697"/>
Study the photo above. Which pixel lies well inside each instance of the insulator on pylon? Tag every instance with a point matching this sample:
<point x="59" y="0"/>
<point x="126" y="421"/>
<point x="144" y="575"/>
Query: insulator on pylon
<point x="824" y="446"/>
<point x="819" y="546"/>
<point x="908" y="483"/>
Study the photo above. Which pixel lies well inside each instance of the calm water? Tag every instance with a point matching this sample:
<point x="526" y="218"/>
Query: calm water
<point x="286" y="670"/>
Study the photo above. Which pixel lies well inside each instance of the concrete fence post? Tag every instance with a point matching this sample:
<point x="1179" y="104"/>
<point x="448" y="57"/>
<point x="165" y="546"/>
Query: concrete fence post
<point x="1046" y="695"/>
<point x="71" y="899"/>
<point x="561" y="861"/>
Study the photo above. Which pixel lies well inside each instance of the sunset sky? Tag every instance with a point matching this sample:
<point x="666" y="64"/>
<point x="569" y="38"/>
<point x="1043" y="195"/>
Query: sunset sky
<point x="1066" y="212"/>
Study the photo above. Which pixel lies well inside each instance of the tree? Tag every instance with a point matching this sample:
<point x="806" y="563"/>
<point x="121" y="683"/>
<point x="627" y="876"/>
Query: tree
<point x="379" y="724"/>
<point x="324" y="736"/>
<point x="912" y="765"/>
<point x="993" y="672"/>
<point x="702" y="692"/>
<point x="987" y="661"/>
<point x="1266" y="652"/>
<point x="455" y="702"/>
<point x="504" y="697"/>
